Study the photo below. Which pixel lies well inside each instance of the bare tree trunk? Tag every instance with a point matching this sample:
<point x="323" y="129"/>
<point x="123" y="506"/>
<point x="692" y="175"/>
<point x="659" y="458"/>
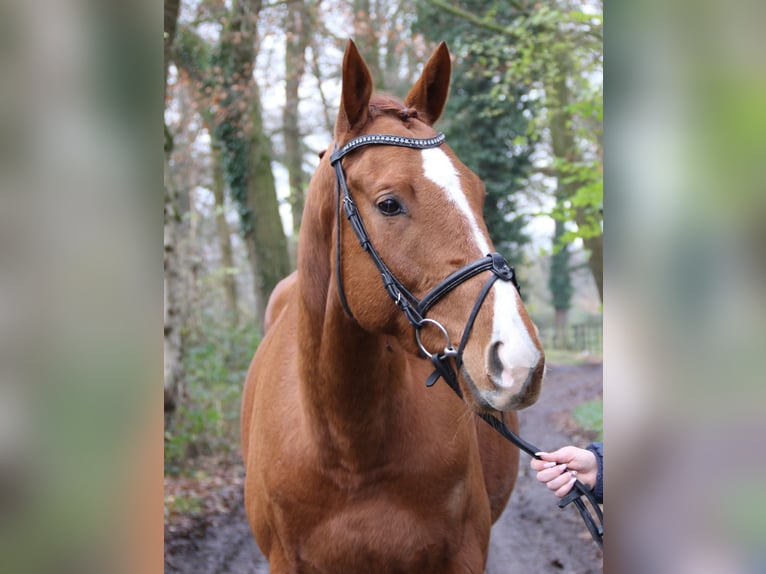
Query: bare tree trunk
<point x="560" y="285"/>
<point x="297" y="34"/>
<point x="173" y="341"/>
<point x="249" y="154"/>
<point x="367" y="34"/>
<point x="326" y="107"/>
<point x="596" y="260"/>
<point x="561" y="329"/>
<point x="224" y="238"/>
<point x="266" y="236"/>
<point x="173" y="284"/>
<point x="172" y="8"/>
<point x="185" y="177"/>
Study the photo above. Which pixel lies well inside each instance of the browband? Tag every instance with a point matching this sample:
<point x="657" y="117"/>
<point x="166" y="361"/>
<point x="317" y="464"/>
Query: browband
<point x="384" y="139"/>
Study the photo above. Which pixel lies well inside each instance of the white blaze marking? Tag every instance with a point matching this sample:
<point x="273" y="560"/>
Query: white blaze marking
<point x="439" y="169"/>
<point x="518" y="353"/>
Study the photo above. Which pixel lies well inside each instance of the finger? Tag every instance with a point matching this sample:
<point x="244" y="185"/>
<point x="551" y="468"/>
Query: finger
<point x="561" y="481"/>
<point x="551" y="473"/>
<point x="541" y="464"/>
<point x="548" y="456"/>
<point x="565" y="454"/>
<point x="562" y="491"/>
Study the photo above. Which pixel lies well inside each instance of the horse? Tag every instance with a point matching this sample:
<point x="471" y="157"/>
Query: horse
<point x="352" y="463"/>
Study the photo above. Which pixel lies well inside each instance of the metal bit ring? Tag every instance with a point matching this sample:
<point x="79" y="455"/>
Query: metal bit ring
<point x="449" y="350"/>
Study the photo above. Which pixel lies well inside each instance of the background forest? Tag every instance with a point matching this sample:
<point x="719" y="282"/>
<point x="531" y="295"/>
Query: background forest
<point x="251" y="93"/>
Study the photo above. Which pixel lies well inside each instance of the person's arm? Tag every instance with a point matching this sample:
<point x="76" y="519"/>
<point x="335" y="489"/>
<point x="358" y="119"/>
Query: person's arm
<point x="597" y="448"/>
<point x="559" y="469"/>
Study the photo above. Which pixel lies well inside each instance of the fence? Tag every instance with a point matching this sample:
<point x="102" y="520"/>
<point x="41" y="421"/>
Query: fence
<point x="580" y="337"/>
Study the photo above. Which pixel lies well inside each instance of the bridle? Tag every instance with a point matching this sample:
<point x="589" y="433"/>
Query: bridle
<point x="415" y="309"/>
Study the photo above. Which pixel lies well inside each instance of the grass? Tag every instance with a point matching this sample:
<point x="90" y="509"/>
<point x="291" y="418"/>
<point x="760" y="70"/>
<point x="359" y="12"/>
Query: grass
<point x="207" y="420"/>
<point x="590" y="416"/>
<point x="563" y="357"/>
<point x="183" y="504"/>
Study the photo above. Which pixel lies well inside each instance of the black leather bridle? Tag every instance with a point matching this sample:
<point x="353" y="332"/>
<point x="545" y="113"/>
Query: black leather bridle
<point x="415" y="309"/>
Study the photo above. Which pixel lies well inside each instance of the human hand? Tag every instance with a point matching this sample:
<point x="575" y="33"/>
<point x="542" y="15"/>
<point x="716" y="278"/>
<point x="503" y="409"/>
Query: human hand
<point x="559" y="469"/>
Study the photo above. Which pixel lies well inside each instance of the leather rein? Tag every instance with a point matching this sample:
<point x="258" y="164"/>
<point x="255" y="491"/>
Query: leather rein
<point x="415" y="309"/>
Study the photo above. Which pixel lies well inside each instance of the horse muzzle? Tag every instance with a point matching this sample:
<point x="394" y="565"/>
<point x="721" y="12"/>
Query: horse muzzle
<point x="514" y="374"/>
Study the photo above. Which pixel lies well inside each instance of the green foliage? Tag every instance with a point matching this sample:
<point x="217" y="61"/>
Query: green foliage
<point x="549" y="52"/>
<point x="585" y="205"/>
<point x="192" y="53"/>
<point x="743" y="511"/>
<point x="207" y="421"/>
<point x="219" y="71"/>
<point x="236" y="148"/>
<point x="486" y="124"/>
<point x="590" y="416"/>
<point x="189" y="503"/>
<point x="559" y="277"/>
<point x="566" y="357"/>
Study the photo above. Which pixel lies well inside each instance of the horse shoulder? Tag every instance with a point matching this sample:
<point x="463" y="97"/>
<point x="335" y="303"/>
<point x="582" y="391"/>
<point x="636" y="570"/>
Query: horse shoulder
<point x="272" y="436"/>
<point x="278" y="300"/>
<point x="276" y="340"/>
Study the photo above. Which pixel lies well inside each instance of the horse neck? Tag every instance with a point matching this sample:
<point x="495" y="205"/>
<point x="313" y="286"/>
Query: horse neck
<point x="351" y="380"/>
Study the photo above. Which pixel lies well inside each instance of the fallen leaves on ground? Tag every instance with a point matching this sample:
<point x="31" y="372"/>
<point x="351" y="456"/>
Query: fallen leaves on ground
<point x="195" y="500"/>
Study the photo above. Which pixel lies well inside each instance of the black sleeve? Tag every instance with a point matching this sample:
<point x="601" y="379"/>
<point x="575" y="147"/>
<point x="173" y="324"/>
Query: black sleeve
<point x="597" y="448"/>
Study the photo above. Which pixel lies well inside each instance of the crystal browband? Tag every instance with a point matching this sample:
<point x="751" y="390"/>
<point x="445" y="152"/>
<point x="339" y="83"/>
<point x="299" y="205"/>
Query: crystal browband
<point x="401" y="141"/>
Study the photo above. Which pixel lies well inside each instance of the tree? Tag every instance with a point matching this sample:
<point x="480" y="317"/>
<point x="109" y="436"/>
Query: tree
<point x="224" y="236"/>
<point x="489" y="134"/>
<point x="298" y="29"/>
<point x="554" y="49"/>
<point x="173" y="303"/>
<point x="225" y="76"/>
<point x="382" y="31"/>
<point x="560" y="286"/>
<point x="579" y="192"/>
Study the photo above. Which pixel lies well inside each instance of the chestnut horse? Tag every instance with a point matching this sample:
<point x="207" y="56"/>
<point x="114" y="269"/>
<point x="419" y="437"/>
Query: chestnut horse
<point x="352" y="464"/>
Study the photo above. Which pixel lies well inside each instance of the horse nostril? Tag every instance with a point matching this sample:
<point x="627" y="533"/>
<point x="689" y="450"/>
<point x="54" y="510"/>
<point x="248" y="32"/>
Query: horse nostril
<point x="495" y="365"/>
<point x="509" y="367"/>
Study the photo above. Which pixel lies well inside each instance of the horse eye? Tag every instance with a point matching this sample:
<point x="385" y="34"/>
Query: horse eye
<point x="390" y="206"/>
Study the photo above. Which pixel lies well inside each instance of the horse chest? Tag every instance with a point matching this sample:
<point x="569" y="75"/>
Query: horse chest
<point x="378" y="522"/>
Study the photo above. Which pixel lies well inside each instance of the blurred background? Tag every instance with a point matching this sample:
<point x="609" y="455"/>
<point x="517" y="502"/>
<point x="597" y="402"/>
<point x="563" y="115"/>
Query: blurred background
<point x="250" y="90"/>
<point x="251" y="96"/>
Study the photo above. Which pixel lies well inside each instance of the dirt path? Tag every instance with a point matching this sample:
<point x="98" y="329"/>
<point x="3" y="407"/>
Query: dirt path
<point x="533" y="536"/>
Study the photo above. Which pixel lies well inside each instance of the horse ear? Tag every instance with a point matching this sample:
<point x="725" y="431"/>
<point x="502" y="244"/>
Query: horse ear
<point x="355" y="93"/>
<point x="429" y="94"/>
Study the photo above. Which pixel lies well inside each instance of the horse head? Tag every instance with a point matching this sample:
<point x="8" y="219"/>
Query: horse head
<point x="421" y="213"/>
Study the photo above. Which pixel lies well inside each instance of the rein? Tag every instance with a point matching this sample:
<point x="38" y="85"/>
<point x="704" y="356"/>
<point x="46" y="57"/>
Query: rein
<point x="415" y="309"/>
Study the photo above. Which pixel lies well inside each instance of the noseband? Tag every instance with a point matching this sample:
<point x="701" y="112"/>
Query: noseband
<point x="415" y="309"/>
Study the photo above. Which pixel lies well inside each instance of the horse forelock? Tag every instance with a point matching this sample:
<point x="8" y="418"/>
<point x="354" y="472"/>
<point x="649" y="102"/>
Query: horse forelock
<point x="383" y="104"/>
